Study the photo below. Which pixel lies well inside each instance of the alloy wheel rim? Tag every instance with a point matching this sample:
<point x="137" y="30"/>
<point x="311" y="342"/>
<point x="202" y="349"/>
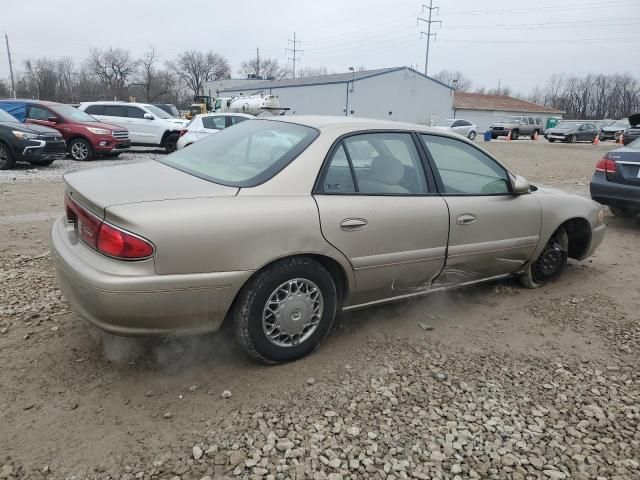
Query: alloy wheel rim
<point x="4" y="158"/>
<point x="79" y="151"/>
<point x="292" y="312"/>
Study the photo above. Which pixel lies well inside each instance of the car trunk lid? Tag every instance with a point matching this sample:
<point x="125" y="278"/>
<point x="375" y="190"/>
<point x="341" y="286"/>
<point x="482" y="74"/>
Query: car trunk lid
<point x="99" y="188"/>
<point x="627" y="161"/>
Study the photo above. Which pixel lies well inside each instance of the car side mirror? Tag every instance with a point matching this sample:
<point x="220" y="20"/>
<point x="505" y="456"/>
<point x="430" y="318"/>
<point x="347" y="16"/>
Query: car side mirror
<point x="520" y="185"/>
<point x="53" y="119"/>
<point x="148" y="116"/>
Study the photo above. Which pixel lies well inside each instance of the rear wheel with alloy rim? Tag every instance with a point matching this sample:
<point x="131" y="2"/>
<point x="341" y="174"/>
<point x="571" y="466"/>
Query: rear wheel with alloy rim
<point x="472" y="135"/>
<point x="551" y="262"/>
<point x="80" y="150"/>
<point x="6" y="158"/>
<point x="285" y="311"/>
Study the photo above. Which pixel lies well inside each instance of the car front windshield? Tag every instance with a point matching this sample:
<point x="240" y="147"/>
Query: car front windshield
<point x="246" y="155"/>
<point x="157" y="111"/>
<point x="72" y="113"/>
<point x="620" y="124"/>
<point x="7" y="117"/>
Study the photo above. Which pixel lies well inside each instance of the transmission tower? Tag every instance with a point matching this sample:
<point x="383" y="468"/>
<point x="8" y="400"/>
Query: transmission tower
<point x="428" y="33"/>
<point x="294" y="51"/>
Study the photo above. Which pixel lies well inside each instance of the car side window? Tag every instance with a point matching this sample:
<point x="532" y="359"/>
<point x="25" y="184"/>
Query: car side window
<point x="214" y="123"/>
<point x="531" y="121"/>
<point x="114" y="111"/>
<point x="538" y="121"/>
<point x="39" y="113"/>
<point x="94" y="110"/>
<point x="338" y="178"/>
<point x="135" y="112"/>
<point x="457" y="123"/>
<point x="385" y="164"/>
<point x="464" y="169"/>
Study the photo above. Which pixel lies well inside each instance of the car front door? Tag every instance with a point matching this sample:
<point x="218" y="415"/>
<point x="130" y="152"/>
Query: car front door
<point x="383" y="213"/>
<point x="144" y="128"/>
<point x="492" y="231"/>
<point x="115" y="115"/>
<point x="41" y="116"/>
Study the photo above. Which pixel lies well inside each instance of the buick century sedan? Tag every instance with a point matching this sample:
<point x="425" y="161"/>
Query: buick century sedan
<point x="276" y="225"/>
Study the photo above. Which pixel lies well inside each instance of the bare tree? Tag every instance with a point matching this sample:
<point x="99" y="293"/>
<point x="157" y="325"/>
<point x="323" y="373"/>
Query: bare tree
<point x="113" y="67"/>
<point x="4" y="90"/>
<point x="194" y="68"/>
<point x="312" y="71"/>
<point x="263" y="67"/>
<point x="456" y="80"/>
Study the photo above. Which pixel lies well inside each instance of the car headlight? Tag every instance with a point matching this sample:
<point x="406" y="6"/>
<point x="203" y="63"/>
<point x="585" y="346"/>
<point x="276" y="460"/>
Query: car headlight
<point x="99" y="131"/>
<point x="24" y="135"/>
<point x="601" y="215"/>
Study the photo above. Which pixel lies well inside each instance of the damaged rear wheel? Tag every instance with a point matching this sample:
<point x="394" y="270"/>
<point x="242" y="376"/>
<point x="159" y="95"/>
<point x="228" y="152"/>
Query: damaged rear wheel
<point x="551" y="262"/>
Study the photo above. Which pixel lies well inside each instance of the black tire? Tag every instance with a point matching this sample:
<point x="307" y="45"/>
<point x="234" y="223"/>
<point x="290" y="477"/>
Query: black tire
<point x="46" y="163"/>
<point x="533" y="135"/>
<point x="623" y="212"/>
<point x="6" y="157"/>
<point x="551" y="262"/>
<point x="111" y="155"/>
<point x="252" y="302"/>
<point x="472" y="135"/>
<point x="551" y="140"/>
<point x="170" y="142"/>
<point x="80" y="150"/>
<point x="572" y="139"/>
<point x="514" y="134"/>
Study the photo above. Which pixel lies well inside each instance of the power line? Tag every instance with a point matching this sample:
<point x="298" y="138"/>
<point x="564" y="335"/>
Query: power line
<point x="13" y="85"/>
<point x="428" y="33"/>
<point x="572" y="6"/>
<point x="295" y="50"/>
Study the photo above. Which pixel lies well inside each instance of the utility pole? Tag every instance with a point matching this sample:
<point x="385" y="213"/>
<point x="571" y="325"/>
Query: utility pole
<point x="499" y="82"/>
<point x="13" y="85"/>
<point x="295" y="50"/>
<point x="257" y="62"/>
<point x="428" y="33"/>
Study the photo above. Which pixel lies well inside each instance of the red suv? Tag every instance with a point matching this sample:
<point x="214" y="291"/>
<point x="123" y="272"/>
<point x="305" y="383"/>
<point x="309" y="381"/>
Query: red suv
<point x="86" y="137"/>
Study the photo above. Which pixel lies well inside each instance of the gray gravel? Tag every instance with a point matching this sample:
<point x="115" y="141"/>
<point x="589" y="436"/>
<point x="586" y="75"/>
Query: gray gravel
<point x="26" y="173"/>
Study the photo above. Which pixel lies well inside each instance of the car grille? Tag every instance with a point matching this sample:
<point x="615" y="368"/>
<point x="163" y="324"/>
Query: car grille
<point x="54" y="147"/>
<point x="50" y="138"/>
<point x="497" y="128"/>
<point x="121" y="134"/>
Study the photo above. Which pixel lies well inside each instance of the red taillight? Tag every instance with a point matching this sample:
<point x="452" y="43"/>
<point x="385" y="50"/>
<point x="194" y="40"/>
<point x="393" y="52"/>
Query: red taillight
<point x="606" y="165"/>
<point x="106" y="238"/>
<point x="117" y="243"/>
<point x="183" y="131"/>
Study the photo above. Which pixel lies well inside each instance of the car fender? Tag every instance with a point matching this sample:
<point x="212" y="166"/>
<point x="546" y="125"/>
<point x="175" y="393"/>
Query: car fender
<point x="228" y="233"/>
<point x="558" y="208"/>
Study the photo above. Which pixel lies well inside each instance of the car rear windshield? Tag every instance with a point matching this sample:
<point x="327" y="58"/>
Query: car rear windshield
<point x="157" y="111"/>
<point x="246" y="155"/>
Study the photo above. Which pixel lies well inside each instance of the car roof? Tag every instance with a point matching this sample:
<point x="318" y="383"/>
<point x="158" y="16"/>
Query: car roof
<point x="112" y="102"/>
<point x="224" y="114"/>
<point x="322" y="122"/>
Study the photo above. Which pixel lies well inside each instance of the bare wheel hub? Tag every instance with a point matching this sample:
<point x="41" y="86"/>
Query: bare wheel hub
<point x="292" y="312"/>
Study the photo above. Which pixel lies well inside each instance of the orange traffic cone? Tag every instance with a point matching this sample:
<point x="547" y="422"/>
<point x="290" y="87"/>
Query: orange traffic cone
<point x="535" y="136"/>
<point x="509" y="136"/>
<point x="596" y="141"/>
<point x="619" y="140"/>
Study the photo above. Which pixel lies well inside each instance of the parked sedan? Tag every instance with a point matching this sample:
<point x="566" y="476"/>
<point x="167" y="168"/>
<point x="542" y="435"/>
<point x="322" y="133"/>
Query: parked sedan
<point x="613" y="131"/>
<point x="572" y="132"/>
<point x="203" y="125"/>
<point x="276" y="225"/>
<point x="459" y="126"/>
<point x="616" y="181"/>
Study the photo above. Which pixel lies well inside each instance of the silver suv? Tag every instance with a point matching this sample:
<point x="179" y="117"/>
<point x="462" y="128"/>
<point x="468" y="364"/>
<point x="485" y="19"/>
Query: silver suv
<point x="518" y="126"/>
<point x="148" y="124"/>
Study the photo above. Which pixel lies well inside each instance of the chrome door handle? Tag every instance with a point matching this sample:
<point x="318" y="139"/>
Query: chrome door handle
<point x="353" y="224"/>
<point x="466" y="219"/>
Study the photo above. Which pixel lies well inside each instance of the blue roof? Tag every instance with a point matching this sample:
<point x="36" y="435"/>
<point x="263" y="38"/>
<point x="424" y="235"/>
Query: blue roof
<point x="16" y="108"/>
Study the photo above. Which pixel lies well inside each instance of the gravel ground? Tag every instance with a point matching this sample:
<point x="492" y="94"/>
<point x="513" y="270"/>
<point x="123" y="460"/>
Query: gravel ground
<point x="492" y="381"/>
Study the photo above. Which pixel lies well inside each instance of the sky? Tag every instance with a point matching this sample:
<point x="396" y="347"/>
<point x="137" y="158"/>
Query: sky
<point x="490" y="42"/>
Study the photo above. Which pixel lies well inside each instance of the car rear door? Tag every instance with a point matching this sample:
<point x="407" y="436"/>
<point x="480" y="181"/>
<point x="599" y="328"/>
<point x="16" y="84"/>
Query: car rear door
<point x="380" y="209"/>
<point x="492" y="231"/>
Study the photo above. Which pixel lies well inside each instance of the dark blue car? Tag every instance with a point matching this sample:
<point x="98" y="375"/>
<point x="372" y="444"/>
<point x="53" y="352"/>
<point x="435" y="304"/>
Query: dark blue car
<point x="616" y="181"/>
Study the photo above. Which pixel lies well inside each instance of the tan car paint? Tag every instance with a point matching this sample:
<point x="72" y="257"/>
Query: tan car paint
<point x="209" y="238"/>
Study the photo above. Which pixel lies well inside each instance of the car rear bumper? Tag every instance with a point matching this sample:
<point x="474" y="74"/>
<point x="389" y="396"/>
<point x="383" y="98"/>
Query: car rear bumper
<point x="614" y="194"/>
<point x="597" y="236"/>
<point x="113" y="297"/>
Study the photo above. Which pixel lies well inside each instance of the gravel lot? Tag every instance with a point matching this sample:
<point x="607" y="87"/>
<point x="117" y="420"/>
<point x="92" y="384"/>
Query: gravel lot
<point x="493" y="381"/>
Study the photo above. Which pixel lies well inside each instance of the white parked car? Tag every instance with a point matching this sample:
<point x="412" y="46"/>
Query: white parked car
<point x="148" y="125"/>
<point x="462" y="127"/>
<point x="205" y="124"/>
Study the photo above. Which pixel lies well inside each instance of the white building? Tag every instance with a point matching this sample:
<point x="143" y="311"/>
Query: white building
<point x="400" y="93"/>
<point x="484" y="110"/>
